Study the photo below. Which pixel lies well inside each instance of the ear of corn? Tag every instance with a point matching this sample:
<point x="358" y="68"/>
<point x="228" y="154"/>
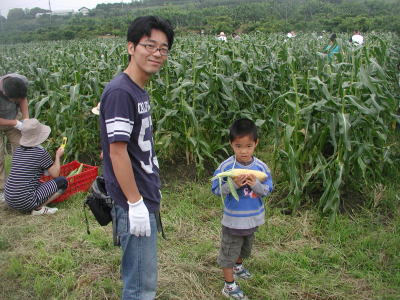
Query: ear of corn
<point x="232" y="188"/>
<point x="76" y="171"/>
<point x="236" y="172"/>
<point x="64" y="142"/>
<point x="261" y="176"/>
<point x="79" y="169"/>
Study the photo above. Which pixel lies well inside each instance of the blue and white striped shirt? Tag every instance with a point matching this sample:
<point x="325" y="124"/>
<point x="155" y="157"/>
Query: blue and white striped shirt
<point x="249" y="211"/>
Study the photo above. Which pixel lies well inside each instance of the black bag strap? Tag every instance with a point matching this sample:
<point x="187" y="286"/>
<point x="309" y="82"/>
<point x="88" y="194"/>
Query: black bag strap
<point x="116" y="240"/>
<point x="159" y="225"/>
<point x="86" y="219"/>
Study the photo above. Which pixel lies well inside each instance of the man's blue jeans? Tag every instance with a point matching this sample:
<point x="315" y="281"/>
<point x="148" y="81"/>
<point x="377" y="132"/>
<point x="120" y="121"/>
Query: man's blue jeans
<point x="139" y="259"/>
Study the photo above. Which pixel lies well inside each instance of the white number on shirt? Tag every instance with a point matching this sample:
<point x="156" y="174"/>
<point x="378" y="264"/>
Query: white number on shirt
<point x="145" y="146"/>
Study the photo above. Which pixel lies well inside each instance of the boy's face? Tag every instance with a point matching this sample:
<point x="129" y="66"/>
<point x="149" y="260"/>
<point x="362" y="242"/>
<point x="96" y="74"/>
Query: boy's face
<point x="244" y="148"/>
<point x="145" y="60"/>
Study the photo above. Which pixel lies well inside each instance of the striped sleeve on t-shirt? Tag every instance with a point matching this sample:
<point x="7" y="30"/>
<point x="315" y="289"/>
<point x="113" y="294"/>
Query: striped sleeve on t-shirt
<point x="118" y="116"/>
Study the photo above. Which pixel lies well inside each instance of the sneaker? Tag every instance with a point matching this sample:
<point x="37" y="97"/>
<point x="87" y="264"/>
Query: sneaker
<point x="2" y="199"/>
<point x="233" y="293"/>
<point x="45" y="210"/>
<point x="241" y="272"/>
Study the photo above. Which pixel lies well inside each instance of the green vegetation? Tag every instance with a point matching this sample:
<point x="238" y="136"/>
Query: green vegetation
<point x="328" y="127"/>
<point x="212" y="16"/>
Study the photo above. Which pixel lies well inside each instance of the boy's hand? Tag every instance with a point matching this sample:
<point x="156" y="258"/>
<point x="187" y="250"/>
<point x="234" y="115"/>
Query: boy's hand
<point x="251" y="180"/>
<point x="240" y="180"/>
<point x="60" y="152"/>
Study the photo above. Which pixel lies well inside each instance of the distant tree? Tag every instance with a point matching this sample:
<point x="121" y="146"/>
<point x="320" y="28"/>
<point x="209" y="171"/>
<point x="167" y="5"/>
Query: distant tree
<point x="36" y="10"/>
<point x="2" y="22"/>
<point x="212" y="16"/>
<point x="68" y="34"/>
<point x="16" y="14"/>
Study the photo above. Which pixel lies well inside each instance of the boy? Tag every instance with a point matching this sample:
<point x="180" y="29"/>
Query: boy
<point x="241" y="217"/>
<point x="130" y="165"/>
<point x="13" y="92"/>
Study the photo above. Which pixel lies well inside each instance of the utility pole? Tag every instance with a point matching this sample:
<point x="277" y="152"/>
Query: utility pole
<point x="50" y="11"/>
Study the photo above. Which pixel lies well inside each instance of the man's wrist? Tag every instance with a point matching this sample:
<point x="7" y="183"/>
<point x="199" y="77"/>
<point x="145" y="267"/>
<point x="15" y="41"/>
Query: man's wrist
<point x="18" y="125"/>
<point x="137" y="202"/>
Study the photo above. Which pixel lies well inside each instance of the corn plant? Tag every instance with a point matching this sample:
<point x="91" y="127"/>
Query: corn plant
<point x="329" y="123"/>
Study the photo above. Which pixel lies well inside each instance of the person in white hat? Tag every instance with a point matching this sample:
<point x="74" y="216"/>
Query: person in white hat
<point x="357" y="38"/>
<point x="96" y="109"/>
<point x="222" y="36"/>
<point x="23" y="190"/>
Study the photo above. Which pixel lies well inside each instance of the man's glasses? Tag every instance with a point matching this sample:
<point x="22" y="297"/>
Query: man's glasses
<point x="152" y="48"/>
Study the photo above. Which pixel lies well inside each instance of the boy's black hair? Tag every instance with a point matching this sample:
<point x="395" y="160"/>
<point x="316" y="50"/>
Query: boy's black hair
<point x="142" y="26"/>
<point x="243" y="127"/>
<point x="14" y="88"/>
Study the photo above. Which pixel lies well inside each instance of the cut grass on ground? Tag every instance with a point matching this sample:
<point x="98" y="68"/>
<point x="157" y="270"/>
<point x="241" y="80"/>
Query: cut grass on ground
<point x="295" y="257"/>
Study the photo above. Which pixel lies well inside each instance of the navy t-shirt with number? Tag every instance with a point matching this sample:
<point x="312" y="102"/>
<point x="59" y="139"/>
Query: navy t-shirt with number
<point x="125" y="117"/>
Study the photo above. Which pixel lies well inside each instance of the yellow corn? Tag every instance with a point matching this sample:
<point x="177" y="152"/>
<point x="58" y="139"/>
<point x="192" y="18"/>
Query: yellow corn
<point x="64" y="142"/>
<point x="261" y="176"/>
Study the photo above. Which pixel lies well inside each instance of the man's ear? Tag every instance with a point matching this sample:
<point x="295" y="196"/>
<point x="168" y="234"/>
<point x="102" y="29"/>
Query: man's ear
<point x="131" y="48"/>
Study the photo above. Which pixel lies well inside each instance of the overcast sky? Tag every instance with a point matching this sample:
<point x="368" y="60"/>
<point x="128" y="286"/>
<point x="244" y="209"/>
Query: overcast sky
<point x="6" y="5"/>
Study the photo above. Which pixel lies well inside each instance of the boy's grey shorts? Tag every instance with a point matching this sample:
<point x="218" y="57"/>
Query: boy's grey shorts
<point x="233" y="247"/>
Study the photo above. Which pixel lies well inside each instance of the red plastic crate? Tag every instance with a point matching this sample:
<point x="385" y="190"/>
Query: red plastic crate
<point x="76" y="183"/>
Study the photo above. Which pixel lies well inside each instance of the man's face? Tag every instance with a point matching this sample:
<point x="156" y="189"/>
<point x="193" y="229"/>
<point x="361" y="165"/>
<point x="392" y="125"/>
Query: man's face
<point x="146" y="55"/>
<point x="17" y="100"/>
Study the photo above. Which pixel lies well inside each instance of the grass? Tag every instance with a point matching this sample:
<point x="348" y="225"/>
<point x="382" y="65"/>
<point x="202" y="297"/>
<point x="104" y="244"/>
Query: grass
<point x="302" y="256"/>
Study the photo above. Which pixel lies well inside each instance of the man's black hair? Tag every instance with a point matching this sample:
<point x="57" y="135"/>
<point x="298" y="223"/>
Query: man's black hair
<point x="243" y="127"/>
<point x="14" y="88"/>
<point x="142" y="26"/>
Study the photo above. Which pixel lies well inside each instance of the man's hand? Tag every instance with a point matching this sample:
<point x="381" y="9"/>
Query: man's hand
<point x="19" y="125"/>
<point x="139" y="219"/>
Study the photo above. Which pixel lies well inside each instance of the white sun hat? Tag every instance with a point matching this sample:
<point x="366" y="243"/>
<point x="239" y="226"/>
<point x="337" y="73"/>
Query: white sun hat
<point x="96" y="109"/>
<point x="33" y="133"/>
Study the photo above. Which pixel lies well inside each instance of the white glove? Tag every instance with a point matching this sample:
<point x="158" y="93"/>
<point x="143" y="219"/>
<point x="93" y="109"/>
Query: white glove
<point x="139" y="219"/>
<point x="19" y="125"/>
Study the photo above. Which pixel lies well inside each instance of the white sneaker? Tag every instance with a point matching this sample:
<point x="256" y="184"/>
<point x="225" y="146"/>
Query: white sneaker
<point x="2" y="199"/>
<point x="233" y="292"/>
<point x="45" y="210"/>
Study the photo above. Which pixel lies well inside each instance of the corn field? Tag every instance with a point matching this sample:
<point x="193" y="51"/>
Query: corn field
<point x="329" y="124"/>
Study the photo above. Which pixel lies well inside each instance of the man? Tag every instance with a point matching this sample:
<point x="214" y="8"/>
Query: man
<point x="357" y="38"/>
<point x="291" y="34"/>
<point x="130" y="165"/>
<point x="13" y="93"/>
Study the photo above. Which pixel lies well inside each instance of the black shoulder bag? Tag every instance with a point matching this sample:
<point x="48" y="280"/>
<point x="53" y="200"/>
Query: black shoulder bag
<point x="99" y="203"/>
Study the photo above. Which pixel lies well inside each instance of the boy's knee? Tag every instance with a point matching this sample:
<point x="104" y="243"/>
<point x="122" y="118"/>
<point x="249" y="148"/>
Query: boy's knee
<point x="62" y="183"/>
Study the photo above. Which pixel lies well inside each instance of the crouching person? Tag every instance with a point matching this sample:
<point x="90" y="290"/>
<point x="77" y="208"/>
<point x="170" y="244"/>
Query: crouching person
<point x="23" y="190"/>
